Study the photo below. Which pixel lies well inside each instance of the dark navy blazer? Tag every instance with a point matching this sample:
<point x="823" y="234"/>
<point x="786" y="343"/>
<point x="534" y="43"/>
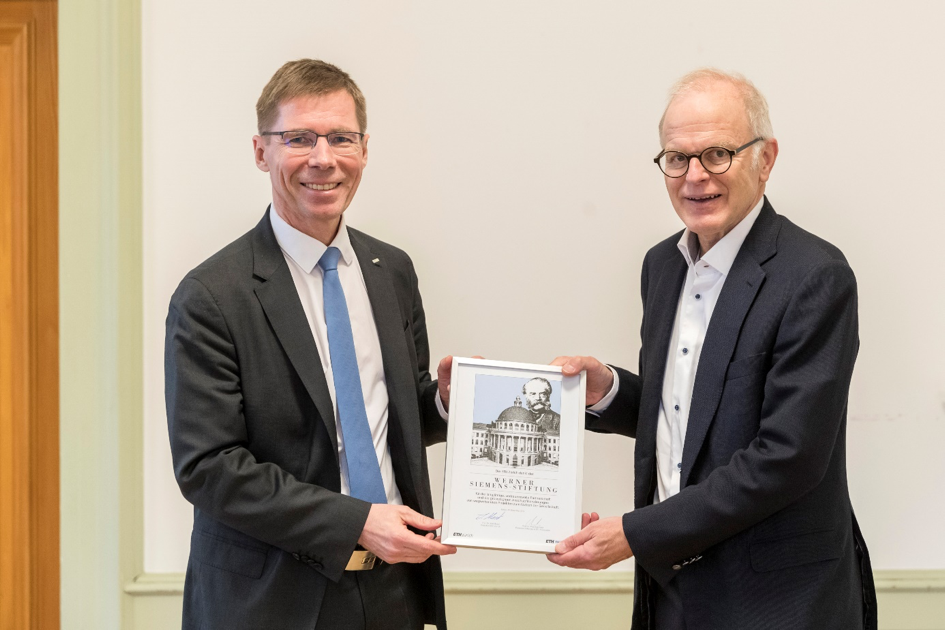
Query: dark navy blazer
<point x="762" y="533"/>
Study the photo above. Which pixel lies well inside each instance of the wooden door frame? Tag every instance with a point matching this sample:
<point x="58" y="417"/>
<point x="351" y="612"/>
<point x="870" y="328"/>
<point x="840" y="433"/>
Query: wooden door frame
<point x="29" y="316"/>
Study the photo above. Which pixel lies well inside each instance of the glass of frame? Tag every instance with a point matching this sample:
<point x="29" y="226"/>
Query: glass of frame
<point x="514" y="456"/>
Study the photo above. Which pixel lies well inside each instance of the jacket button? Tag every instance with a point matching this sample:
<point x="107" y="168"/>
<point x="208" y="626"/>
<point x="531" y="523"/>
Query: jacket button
<point x="677" y="567"/>
<point x="296" y="556"/>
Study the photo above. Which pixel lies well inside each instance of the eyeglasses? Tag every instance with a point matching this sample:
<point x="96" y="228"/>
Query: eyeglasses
<point x="302" y="142"/>
<point x="715" y="160"/>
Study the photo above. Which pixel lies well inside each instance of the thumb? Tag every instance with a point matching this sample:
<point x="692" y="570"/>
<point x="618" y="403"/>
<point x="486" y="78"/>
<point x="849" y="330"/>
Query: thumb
<point x="415" y="519"/>
<point x="572" y="542"/>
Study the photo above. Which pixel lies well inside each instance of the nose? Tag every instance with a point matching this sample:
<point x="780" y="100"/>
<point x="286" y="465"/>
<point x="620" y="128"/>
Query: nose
<point x="321" y="155"/>
<point x="696" y="172"/>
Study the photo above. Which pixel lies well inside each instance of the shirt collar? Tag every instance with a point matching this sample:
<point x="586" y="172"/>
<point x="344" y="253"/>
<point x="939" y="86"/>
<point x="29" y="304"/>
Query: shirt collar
<point x="722" y="255"/>
<point x="305" y="250"/>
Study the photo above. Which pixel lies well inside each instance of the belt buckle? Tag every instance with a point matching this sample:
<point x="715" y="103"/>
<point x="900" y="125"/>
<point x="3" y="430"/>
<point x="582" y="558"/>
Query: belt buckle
<point x="361" y="561"/>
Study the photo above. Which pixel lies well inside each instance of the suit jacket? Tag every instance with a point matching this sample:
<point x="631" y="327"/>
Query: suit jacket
<point x="253" y="436"/>
<point x="549" y="420"/>
<point x="762" y="533"/>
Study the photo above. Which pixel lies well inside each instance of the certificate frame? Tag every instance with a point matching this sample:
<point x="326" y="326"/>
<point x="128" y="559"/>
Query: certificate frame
<point x="513" y="482"/>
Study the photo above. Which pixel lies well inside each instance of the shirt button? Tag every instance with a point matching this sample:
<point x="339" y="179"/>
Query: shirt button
<point x="698" y="296"/>
<point x="685" y="350"/>
<point x="676" y="407"/>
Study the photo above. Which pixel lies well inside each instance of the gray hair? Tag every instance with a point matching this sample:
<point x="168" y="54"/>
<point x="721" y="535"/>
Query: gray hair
<point x="756" y="107"/>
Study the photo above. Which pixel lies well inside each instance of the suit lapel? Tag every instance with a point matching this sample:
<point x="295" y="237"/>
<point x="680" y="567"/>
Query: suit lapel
<point x="398" y="374"/>
<point x="280" y="301"/>
<point x="738" y="293"/>
<point x="658" y="329"/>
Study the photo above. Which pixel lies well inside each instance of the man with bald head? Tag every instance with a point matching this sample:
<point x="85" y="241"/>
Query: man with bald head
<point x="742" y="517"/>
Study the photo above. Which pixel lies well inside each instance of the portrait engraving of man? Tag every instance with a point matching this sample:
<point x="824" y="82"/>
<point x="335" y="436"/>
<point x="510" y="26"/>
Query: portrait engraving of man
<point x="537" y="394"/>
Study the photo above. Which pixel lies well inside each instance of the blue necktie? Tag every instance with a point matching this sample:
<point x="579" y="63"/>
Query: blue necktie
<point x="364" y="474"/>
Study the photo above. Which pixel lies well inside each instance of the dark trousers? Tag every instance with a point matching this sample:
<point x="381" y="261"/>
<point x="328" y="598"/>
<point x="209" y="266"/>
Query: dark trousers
<point x="388" y="597"/>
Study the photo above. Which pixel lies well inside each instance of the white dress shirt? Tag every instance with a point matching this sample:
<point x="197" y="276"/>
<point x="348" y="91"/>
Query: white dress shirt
<point x="302" y="253"/>
<point x="700" y="291"/>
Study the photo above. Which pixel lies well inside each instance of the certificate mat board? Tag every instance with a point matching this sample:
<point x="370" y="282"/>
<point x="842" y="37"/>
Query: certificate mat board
<point x="514" y="456"/>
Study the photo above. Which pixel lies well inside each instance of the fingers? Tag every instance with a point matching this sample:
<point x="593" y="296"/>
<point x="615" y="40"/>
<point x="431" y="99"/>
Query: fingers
<point x="417" y="548"/>
<point x="576" y="559"/>
<point x="600" y="379"/>
<point x="560" y="361"/>
<point x="571" y="542"/>
<point x="415" y="519"/>
<point x="598" y="546"/>
<point x="445" y="366"/>
<point x="412" y="548"/>
<point x="444" y="372"/>
<point x="573" y="365"/>
<point x="386" y="534"/>
<point x="587" y="519"/>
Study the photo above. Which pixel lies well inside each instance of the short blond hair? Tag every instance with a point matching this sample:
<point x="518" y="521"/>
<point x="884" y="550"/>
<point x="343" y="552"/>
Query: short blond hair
<point x="756" y="107"/>
<point x="306" y="77"/>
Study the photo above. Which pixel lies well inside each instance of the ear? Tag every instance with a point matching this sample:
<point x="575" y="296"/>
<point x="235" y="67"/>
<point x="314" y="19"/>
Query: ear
<point x="768" y="157"/>
<point x="259" y="152"/>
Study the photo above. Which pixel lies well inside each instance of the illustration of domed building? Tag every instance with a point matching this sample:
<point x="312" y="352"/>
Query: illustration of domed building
<point x="515" y="439"/>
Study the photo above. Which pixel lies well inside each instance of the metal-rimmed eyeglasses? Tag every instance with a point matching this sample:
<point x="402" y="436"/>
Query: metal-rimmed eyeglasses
<point x="715" y="160"/>
<point x="302" y="142"/>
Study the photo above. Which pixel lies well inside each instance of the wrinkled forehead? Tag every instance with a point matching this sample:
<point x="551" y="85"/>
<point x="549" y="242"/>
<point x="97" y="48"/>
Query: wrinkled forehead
<point x="711" y="112"/>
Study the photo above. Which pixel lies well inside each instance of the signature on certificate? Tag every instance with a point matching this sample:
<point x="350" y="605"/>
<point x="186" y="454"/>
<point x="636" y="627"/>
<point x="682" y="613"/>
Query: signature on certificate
<point x="490" y="516"/>
<point x="534" y="521"/>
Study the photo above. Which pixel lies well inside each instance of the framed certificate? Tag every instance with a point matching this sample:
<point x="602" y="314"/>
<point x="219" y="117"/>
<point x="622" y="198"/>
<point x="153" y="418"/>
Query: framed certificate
<point x="514" y="456"/>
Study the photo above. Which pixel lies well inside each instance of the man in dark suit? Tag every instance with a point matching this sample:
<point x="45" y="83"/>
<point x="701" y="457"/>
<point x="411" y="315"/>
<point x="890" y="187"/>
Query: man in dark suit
<point x="742" y="514"/>
<point x="298" y="395"/>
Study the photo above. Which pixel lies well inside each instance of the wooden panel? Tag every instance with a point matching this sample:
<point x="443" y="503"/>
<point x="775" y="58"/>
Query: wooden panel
<point x="29" y="338"/>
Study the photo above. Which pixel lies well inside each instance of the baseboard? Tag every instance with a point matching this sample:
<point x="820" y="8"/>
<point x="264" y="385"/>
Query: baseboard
<point x="908" y="600"/>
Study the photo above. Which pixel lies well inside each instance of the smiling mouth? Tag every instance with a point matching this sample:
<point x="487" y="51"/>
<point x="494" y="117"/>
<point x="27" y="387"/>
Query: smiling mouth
<point x="321" y="186"/>
<point x="703" y="198"/>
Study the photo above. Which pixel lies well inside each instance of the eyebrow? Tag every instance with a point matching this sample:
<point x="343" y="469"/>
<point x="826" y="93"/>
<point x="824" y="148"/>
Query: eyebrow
<point x="334" y="130"/>
<point x="722" y="145"/>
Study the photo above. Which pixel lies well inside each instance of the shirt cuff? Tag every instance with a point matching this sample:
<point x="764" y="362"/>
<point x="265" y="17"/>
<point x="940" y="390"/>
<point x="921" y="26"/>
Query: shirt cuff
<point x="601" y="405"/>
<point x="439" y="406"/>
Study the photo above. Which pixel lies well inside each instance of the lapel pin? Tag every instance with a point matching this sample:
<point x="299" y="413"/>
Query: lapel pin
<point x="376" y="261"/>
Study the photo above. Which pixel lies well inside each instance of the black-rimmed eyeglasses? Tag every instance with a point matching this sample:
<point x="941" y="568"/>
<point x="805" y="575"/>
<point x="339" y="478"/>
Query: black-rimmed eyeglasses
<point x="715" y="160"/>
<point x="302" y="142"/>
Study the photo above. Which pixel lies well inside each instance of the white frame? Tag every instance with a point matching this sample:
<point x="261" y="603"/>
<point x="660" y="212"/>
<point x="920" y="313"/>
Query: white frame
<point x="464" y="511"/>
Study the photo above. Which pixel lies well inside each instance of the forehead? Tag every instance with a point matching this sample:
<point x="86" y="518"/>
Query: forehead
<point x="535" y="387"/>
<point x="706" y="116"/>
<point x="334" y="111"/>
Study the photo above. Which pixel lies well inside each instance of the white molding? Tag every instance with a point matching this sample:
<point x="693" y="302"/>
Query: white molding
<point x="467" y="583"/>
<point x="544" y="582"/>
<point x="149" y="584"/>
<point x="900" y="581"/>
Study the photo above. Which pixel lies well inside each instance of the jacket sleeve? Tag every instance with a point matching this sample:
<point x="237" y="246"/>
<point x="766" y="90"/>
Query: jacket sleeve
<point x="214" y="468"/>
<point x="434" y="426"/>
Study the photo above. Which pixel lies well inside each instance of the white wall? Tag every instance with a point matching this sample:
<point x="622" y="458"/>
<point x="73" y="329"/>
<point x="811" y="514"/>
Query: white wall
<point x="510" y="154"/>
